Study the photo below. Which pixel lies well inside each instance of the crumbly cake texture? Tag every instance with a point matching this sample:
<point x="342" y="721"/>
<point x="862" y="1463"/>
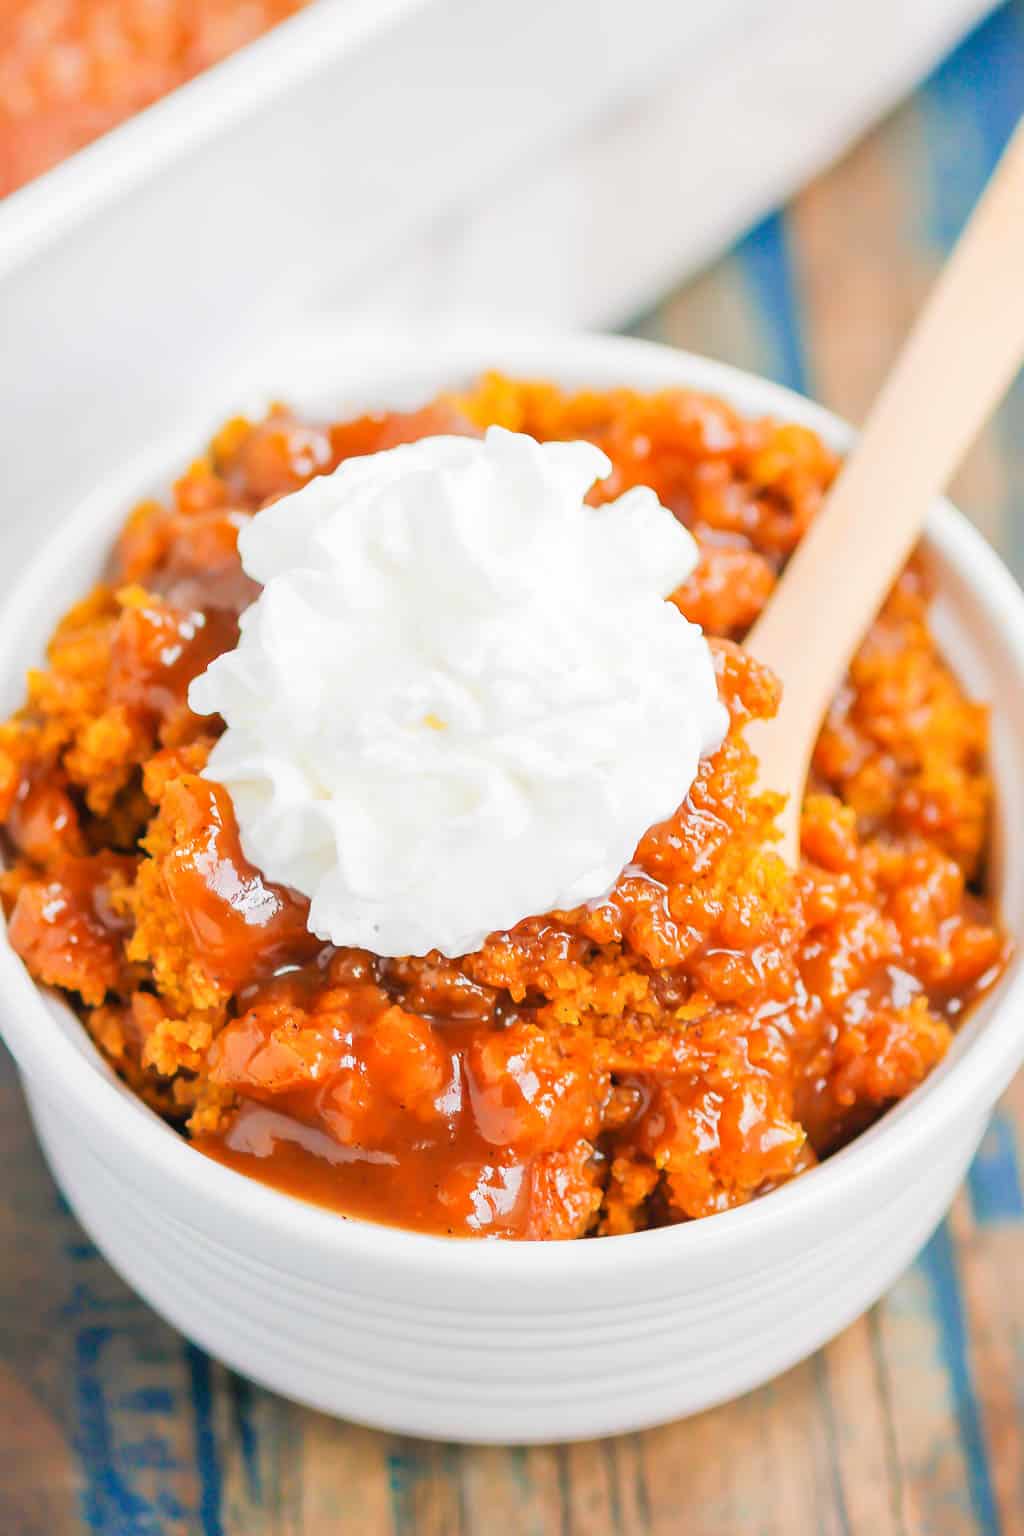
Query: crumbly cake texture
<point x="703" y="1034"/>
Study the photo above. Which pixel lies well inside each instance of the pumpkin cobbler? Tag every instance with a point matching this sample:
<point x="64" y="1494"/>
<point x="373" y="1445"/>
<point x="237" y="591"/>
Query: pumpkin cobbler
<point x="708" y="1030"/>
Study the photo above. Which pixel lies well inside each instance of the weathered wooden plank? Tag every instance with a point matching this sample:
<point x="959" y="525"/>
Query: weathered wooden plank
<point x="92" y="1362"/>
<point x="36" y="1472"/>
<point x="865" y="1449"/>
<point x="990" y="1243"/>
<point x="514" y="1490"/>
<point x="343" y="1475"/>
<point x="38" y="1477"/>
<point x="590" y="1489"/>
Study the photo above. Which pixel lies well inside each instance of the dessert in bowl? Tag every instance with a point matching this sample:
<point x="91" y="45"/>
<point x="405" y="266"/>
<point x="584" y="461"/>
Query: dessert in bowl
<point x="684" y="1044"/>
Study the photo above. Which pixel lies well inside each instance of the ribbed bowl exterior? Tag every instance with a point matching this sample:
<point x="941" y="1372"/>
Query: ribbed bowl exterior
<point x="482" y="1366"/>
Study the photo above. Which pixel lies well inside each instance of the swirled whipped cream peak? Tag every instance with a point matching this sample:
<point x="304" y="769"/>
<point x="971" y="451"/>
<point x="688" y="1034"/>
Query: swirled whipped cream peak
<point x="461" y="698"/>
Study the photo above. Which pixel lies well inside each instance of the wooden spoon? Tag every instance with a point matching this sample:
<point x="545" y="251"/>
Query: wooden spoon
<point x="959" y="360"/>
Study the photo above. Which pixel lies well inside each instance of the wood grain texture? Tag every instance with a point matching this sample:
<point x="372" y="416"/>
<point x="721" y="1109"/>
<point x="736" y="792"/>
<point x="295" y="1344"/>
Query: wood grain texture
<point x="912" y="1422"/>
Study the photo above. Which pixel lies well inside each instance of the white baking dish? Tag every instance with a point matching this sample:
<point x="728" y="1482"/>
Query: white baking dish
<point x="410" y="164"/>
<point x="140" y="273"/>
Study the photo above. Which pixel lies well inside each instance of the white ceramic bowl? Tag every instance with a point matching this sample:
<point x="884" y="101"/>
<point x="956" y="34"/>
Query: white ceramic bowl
<point x="495" y="1341"/>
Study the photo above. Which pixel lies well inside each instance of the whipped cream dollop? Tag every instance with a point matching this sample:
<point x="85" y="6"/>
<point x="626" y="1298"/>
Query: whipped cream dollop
<point x="461" y="698"/>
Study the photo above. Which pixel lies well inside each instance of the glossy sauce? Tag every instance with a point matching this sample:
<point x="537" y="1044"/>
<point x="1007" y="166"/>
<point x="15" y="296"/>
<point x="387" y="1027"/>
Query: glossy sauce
<point x="690" y="1041"/>
<point x="240" y="925"/>
<point x="386" y="1114"/>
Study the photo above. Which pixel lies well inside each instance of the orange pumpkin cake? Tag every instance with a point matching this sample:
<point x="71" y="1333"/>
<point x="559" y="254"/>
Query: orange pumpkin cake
<point x="705" y="1032"/>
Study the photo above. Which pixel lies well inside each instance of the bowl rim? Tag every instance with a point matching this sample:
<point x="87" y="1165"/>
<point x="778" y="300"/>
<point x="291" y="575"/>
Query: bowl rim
<point x="70" y="1070"/>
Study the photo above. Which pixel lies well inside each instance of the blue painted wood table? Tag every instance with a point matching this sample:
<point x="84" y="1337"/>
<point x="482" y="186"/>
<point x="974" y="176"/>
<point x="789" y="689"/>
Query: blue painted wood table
<point x="913" y="1421"/>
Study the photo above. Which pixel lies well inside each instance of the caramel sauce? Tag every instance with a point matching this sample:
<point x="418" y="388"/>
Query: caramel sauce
<point x="241" y="926"/>
<point x="688" y="1042"/>
<point x="434" y="1123"/>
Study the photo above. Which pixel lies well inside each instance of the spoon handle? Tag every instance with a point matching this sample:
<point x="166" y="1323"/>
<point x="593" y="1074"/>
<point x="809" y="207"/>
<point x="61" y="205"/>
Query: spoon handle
<point x="958" y="361"/>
